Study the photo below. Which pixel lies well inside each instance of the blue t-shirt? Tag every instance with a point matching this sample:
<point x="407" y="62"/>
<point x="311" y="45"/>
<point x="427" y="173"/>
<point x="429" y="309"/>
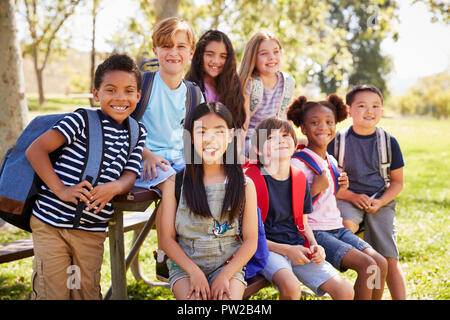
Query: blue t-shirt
<point x="361" y="162"/>
<point x="163" y="119"/>
<point x="280" y="226"/>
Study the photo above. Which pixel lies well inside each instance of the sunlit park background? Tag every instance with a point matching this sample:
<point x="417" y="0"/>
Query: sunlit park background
<point x="401" y="47"/>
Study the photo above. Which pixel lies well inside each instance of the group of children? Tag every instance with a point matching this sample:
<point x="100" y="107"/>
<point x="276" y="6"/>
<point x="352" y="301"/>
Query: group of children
<point x="209" y="231"/>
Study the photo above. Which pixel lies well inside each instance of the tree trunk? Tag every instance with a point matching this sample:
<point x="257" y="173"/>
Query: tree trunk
<point x="40" y="83"/>
<point x="94" y="19"/>
<point x="14" y="112"/>
<point x="166" y="8"/>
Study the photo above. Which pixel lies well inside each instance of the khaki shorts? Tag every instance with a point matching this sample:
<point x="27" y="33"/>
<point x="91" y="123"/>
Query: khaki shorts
<point x="67" y="263"/>
<point x="379" y="227"/>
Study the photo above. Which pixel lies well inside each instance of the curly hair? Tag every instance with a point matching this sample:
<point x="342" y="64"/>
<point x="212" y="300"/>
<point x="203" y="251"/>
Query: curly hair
<point x="120" y="62"/>
<point x="298" y="109"/>
<point x="229" y="89"/>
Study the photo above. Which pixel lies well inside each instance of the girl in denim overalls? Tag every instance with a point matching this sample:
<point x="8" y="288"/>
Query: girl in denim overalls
<point x="212" y="232"/>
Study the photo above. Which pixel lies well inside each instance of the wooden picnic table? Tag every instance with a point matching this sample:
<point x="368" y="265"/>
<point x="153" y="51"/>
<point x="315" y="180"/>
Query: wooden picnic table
<point x="136" y="200"/>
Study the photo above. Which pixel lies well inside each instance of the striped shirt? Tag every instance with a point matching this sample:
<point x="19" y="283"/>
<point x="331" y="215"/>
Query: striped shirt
<point x="48" y="208"/>
<point x="270" y="103"/>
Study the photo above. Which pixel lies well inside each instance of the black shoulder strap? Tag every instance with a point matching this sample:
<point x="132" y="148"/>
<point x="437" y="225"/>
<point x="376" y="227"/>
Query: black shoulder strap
<point x="94" y="155"/>
<point x="146" y="89"/>
<point x="178" y="183"/>
<point x="193" y="95"/>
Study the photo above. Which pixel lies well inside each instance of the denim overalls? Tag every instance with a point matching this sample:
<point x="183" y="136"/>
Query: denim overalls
<point x="209" y="242"/>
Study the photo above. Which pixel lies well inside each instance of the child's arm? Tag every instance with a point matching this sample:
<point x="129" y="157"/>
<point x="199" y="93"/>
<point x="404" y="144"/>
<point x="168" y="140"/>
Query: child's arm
<point x="103" y="193"/>
<point x="296" y="254"/>
<point x="395" y="187"/>
<point x="359" y="200"/>
<point x="151" y="161"/>
<point x="38" y="156"/>
<point x="320" y="183"/>
<point x="220" y="288"/>
<point x="167" y="241"/>
<point x="318" y="253"/>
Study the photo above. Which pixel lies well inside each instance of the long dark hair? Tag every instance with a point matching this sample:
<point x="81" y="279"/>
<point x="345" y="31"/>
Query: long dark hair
<point x="193" y="188"/>
<point x="229" y="87"/>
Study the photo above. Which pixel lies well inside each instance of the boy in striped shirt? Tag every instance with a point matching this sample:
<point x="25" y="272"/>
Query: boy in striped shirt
<point x="67" y="257"/>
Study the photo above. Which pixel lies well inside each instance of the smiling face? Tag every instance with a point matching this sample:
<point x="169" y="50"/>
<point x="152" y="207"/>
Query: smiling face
<point x="279" y="145"/>
<point x="366" y="111"/>
<point x="211" y="137"/>
<point x="174" y="57"/>
<point x="117" y="94"/>
<point x="268" y="57"/>
<point x="214" y="59"/>
<point x="319" y="125"/>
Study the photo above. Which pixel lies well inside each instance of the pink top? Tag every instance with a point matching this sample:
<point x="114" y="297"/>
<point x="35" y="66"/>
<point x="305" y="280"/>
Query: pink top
<point x="325" y="215"/>
<point x="210" y="95"/>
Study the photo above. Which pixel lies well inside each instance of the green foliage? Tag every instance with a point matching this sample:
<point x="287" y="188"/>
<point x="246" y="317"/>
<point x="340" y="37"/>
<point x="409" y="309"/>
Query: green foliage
<point x="428" y="96"/>
<point x="55" y="104"/>
<point x="323" y="42"/>
<point x="366" y="24"/>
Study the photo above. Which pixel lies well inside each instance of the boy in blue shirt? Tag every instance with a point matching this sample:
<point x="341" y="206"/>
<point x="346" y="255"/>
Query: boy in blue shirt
<point x="173" y="45"/>
<point x="369" y="198"/>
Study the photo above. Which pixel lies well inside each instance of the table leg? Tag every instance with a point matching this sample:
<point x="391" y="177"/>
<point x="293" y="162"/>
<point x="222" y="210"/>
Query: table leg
<point x="117" y="253"/>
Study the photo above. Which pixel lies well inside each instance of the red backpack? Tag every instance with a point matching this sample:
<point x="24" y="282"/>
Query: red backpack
<point x="298" y="195"/>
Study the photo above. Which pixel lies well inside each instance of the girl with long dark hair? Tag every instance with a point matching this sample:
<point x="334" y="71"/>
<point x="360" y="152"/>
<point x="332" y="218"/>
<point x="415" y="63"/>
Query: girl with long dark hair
<point x="211" y="233"/>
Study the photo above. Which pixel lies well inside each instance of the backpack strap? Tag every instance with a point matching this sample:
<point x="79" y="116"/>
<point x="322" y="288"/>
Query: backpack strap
<point x="298" y="195"/>
<point x="313" y="165"/>
<point x="339" y="147"/>
<point x="256" y="94"/>
<point x="384" y="153"/>
<point x="288" y="91"/>
<point x="262" y="194"/>
<point x="146" y="89"/>
<point x="193" y="95"/>
<point x="179" y="177"/>
<point x="133" y="135"/>
<point x="94" y="155"/>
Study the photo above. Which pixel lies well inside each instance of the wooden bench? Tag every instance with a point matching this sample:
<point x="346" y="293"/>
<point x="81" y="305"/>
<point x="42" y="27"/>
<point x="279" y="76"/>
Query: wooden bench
<point x="22" y="249"/>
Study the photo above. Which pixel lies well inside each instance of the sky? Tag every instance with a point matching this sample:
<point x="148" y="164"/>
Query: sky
<point x="423" y="48"/>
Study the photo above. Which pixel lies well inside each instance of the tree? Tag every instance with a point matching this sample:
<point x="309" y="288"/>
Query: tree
<point x="45" y="20"/>
<point x="428" y="96"/>
<point x="13" y="117"/>
<point x="367" y="24"/>
<point x="95" y="8"/>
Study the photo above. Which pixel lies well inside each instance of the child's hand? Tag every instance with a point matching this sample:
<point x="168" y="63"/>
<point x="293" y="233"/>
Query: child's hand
<point x="361" y="201"/>
<point x="220" y="288"/>
<point x="199" y="286"/>
<point x="298" y="255"/>
<point x="320" y="182"/>
<point x="101" y="195"/>
<point x="343" y="181"/>
<point x="374" y="206"/>
<point x="318" y="254"/>
<point x="76" y="192"/>
<point x="152" y="161"/>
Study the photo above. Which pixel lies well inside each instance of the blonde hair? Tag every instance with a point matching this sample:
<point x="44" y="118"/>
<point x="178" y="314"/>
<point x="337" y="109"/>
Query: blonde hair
<point x="247" y="68"/>
<point x="165" y="30"/>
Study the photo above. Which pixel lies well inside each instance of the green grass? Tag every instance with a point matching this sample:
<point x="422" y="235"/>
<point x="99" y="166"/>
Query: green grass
<point x="422" y="224"/>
